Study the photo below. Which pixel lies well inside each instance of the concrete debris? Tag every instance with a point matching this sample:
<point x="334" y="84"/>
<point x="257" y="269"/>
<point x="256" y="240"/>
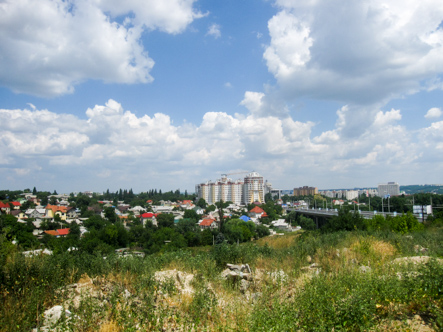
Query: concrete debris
<point x="416" y="260"/>
<point x="420" y="249"/>
<point x="237" y="272"/>
<point x="365" y="269"/>
<point x="52" y="316"/>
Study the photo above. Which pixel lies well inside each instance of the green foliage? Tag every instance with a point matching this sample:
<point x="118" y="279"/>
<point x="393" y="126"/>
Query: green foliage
<point x="237" y="230"/>
<point x="21" y="233"/>
<point x="401" y="223"/>
<point x="191" y="214"/>
<point x="345" y="221"/>
<point x="262" y="231"/>
<point x="339" y="299"/>
<point x="165" y="220"/>
<point x="202" y="203"/>
<point x="306" y="223"/>
<point x="110" y="214"/>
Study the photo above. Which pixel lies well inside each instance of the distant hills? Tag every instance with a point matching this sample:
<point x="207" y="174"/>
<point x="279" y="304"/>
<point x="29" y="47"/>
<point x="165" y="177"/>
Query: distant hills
<point x="422" y="188"/>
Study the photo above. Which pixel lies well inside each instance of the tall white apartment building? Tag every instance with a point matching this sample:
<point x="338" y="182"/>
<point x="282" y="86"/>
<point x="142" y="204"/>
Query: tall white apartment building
<point x="253" y="188"/>
<point x="222" y="189"/>
<point x="390" y="188"/>
<point x="351" y="194"/>
<point x="238" y="191"/>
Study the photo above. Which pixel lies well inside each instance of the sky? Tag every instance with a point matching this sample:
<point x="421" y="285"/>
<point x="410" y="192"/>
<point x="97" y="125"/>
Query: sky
<point x="144" y="94"/>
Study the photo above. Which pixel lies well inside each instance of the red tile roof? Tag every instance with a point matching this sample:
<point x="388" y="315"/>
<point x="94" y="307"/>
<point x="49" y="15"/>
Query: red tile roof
<point x="206" y="222"/>
<point x="149" y="215"/>
<point x="58" y="232"/>
<point x="56" y="208"/>
<point x="257" y="209"/>
<point x="63" y="231"/>
<point x="4" y="205"/>
<point x="16" y="203"/>
<point x="53" y="233"/>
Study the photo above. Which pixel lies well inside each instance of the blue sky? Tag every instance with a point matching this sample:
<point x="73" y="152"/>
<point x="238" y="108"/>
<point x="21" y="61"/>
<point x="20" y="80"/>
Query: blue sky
<point x="104" y="94"/>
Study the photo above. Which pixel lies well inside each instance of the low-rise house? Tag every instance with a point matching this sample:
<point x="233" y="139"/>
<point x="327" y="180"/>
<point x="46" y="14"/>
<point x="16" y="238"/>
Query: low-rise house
<point x="35" y="213"/>
<point x="53" y="210"/>
<point x="187" y="204"/>
<point x="162" y="209"/>
<point x="137" y="209"/>
<point x="282" y="225"/>
<point x="245" y="218"/>
<point x="63" y="203"/>
<point x="15" y="205"/>
<point x="198" y="210"/>
<point x="208" y="224"/>
<point x="257" y="212"/>
<point x="123" y="208"/>
<point x="19" y="214"/>
<point x="149" y="216"/>
<point x="5" y="208"/>
<point x="58" y="232"/>
<point x="71" y="212"/>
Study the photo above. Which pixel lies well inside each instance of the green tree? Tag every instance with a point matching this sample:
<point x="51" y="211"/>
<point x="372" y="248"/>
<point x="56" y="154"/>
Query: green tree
<point x="191" y="214"/>
<point x="165" y="220"/>
<point x="202" y="203"/>
<point x="110" y="214"/>
<point x="206" y="237"/>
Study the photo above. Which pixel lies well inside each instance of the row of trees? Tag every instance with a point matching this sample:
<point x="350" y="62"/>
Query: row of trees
<point x="347" y="220"/>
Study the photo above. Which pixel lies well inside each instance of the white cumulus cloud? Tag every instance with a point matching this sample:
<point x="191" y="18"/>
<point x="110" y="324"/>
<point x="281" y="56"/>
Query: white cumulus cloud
<point x="115" y="146"/>
<point x="214" y="30"/>
<point x="363" y="52"/>
<point x="433" y="113"/>
<point x="49" y="46"/>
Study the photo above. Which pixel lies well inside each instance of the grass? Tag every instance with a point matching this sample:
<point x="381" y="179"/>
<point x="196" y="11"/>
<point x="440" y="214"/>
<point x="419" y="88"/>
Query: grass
<point x="286" y="294"/>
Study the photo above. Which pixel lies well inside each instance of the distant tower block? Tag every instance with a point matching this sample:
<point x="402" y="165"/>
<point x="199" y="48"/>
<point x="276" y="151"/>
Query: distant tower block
<point x="254" y="189"/>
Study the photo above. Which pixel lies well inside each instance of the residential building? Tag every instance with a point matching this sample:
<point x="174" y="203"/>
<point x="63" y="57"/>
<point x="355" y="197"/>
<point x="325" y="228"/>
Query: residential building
<point x="149" y="216"/>
<point x="208" y="223"/>
<point x="305" y="191"/>
<point x="53" y="210"/>
<point x="5" y="208"/>
<point x="253" y="189"/>
<point x="390" y="188"/>
<point x="257" y="212"/>
<point x="16" y="205"/>
<point x="250" y="190"/>
<point x="351" y="194"/>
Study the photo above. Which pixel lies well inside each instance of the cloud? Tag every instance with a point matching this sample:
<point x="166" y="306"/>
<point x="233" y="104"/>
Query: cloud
<point x="433" y="113"/>
<point x="214" y="30"/>
<point x="262" y="104"/>
<point x="364" y="53"/>
<point x="50" y="46"/>
<point x="112" y="147"/>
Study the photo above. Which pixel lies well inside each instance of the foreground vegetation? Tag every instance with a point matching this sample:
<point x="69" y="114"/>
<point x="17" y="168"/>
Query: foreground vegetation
<point x="311" y="281"/>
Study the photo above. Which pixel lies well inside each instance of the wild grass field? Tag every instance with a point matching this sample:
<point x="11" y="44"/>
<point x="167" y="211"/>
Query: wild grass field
<point x="306" y="281"/>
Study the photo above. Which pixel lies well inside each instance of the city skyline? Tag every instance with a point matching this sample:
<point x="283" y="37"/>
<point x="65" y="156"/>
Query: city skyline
<point x="98" y="95"/>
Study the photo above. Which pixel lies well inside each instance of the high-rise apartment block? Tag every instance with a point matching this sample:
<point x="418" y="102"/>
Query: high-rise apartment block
<point x="250" y="190"/>
<point x="305" y="191"/>
<point x="390" y="188"/>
